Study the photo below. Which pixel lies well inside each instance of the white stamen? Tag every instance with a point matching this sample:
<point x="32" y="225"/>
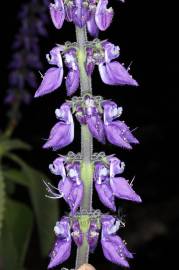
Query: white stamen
<point x="55" y="198"/>
<point x="129" y="67"/>
<point x="41" y="75"/>
<point x="131" y="183"/>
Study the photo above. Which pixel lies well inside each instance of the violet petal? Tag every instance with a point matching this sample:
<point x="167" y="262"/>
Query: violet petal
<point x="115" y="135"/>
<point x="65" y="186"/>
<point x="77" y="233"/>
<point x="114" y="73"/>
<point x="51" y="81"/>
<point x="122" y="189"/>
<point x="81" y="14"/>
<point x="57" y="167"/>
<point x="72" y="81"/>
<point x="60" y="253"/>
<point x="57" y="12"/>
<point x="116" y="166"/>
<point x="93" y="235"/>
<point x="76" y="197"/>
<point x="61" y="135"/>
<point x="103" y="15"/>
<point x="96" y="128"/>
<point x="62" y="247"/>
<point x="92" y="26"/>
<point x="105" y="194"/>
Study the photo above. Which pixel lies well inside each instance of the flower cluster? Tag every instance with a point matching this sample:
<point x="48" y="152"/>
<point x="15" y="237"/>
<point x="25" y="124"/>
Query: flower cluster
<point x="108" y="185"/>
<point x="26" y="57"/>
<point x="92" y="13"/>
<point x="98" y="115"/>
<point x="98" y="53"/>
<point x="114" y="248"/>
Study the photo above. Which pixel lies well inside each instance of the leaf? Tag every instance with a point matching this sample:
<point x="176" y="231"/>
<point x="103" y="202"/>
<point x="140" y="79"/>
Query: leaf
<point x="7" y="145"/>
<point x="17" y="176"/>
<point x="16" y="235"/>
<point x="2" y="199"/>
<point x="46" y="210"/>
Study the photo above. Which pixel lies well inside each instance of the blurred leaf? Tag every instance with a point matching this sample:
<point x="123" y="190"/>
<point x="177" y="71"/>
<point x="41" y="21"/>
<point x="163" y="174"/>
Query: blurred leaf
<point x="7" y="145"/>
<point x="46" y="210"/>
<point x="2" y="198"/>
<point x="16" y="234"/>
<point x="17" y="176"/>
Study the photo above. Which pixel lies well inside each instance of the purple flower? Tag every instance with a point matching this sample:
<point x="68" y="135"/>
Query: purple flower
<point x="74" y="194"/>
<point x="53" y="76"/>
<point x="62" y="247"/>
<point x="102" y="185"/>
<point x="103" y="15"/>
<point x="62" y="133"/>
<point x="116" y="166"/>
<point x="90" y="62"/>
<point x="77" y="233"/>
<point x="58" y="167"/>
<point x="26" y="57"/>
<point x="72" y="81"/>
<point x="123" y="190"/>
<point x="93" y="235"/>
<point x="117" y="132"/>
<point x="93" y="120"/>
<point x="108" y="186"/>
<point x="73" y="77"/>
<point x="111" y="72"/>
<point x="70" y="187"/>
<point x="57" y="12"/>
<point x="88" y="114"/>
<point x="119" y="185"/>
<point x="69" y="11"/>
<point x="113" y="247"/>
<point x="92" y="26"/>
<point x="96" y="128"/>
<point x="81" y="13"/>
<point x="114" y="73"/>
<point x="92" y="13"/>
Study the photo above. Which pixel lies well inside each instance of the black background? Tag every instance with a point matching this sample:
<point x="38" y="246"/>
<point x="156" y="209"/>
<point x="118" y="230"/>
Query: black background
<point x="146" y="33"/>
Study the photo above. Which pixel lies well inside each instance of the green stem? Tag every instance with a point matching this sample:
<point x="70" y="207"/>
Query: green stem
<point x="86" y="150"/>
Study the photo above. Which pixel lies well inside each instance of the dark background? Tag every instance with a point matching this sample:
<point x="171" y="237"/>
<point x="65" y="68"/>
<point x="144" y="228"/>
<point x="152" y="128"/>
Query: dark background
<point x="146" y="33"/>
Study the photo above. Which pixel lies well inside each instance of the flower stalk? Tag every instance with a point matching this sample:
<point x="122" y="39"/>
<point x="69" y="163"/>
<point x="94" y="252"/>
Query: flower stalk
<point x="86" y="149"/>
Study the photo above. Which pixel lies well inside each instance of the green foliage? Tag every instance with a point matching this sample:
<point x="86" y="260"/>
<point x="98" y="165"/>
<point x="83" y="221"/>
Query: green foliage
<point x="18" y="224"/>
<point x="2" y="198"/>
<point x="41" y="205"/>
<point x="16" y="231"/>
<point x="7" y="145"/>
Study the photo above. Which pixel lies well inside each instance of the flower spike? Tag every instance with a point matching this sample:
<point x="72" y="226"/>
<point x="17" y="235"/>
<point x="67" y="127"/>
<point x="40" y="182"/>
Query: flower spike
<point x="99" y="119"/>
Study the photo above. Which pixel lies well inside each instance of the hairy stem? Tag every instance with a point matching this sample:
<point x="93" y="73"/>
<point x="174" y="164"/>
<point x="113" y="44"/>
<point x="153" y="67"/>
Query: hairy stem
<point x="86" y="148"/>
